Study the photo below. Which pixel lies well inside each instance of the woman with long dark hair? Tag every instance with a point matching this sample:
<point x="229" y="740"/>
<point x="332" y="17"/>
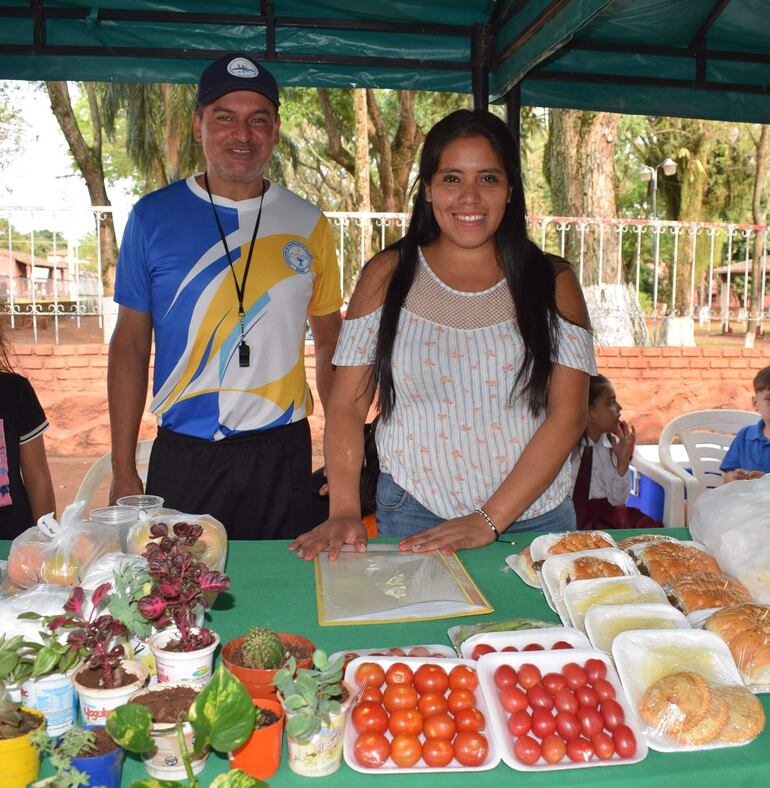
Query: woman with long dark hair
<point x="478" y="347"/>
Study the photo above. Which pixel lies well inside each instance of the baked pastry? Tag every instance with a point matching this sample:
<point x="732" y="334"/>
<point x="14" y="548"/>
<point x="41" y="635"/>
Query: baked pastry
<point x="644" y="539"/>
<point x="746" y="630"/>
<point x="702" y="590"/>
<point x="665" y="561"/>
<point x="746" y="717"/>
<point x="587" y="568"/>
<point x="578" y="541"/>
<point x="525" y="567"/>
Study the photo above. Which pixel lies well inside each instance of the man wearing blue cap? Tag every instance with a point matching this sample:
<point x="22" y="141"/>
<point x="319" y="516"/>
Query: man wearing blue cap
<point x="224" y="268"/>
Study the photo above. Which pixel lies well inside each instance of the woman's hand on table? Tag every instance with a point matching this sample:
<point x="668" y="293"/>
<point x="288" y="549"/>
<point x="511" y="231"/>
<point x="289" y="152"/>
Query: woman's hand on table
<point x="460" y="533"/>
<point x="331" y="536"/>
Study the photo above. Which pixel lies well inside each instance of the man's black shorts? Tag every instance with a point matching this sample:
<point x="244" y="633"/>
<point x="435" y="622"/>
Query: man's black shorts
<point x="257" y="484"/>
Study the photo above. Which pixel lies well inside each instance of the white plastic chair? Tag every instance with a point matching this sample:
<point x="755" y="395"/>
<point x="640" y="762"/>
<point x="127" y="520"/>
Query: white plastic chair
<point x="706" y="435"/>
<point x="102" y="469"/>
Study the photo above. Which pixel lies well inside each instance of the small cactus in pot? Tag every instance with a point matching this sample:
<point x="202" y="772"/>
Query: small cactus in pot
<point x="262" y="649"/>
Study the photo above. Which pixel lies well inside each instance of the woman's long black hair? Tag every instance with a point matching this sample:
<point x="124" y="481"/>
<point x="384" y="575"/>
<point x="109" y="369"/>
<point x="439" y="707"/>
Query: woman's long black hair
<point x="527" y="270"/>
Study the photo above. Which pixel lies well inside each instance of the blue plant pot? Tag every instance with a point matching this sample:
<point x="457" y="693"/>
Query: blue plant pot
<point x="103" y="770"/>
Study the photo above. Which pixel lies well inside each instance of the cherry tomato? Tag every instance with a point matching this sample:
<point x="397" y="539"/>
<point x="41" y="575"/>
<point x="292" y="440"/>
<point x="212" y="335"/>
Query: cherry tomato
<point x="370" y="718"/>
<point x="469" y="720"/>
<point x="461" y="699"/>
<point x="567" y="725"/>
<point x="603" y="746"/>
<point x="505" y="676"/>
<point x="437" y="752"/>
<point x="604" y="690"/>
<point x="562" y="644"/>
<point x="371" y="750"/>
<point x="527" y="750"/>
<point x="349" y="657"/>
<point x="432" y="703"/>
<point x="575" y="675"/>
<point x="613" y="714"/>
<point x="519" y="723"/>
<point x="564" y="699"/>
<point x="396" y="652"/>
<point x="553" y="748"/>
<point x="439" y="726"/>
<point x="405" y="750"/>
<point x="431" y="678"/>
<point x="529" y="675"/>
<point x="370" y="674"/>
<point x="596" y="669"/>
<point x="512" y="699"/>
<point x="591" y="721"/>
<point x="580" y="750"/>
<point x="543" y="723"/>
<point x="539" y="697"/>
<point x="418" y="651"/>
<point x="587" y="697"/>
<point x="406" y="721"/>
<point x="399" y="696"/>
<point x="509" y="648"/>
<point x="624" y="740"/>
<point x="463" y="677"/>
<point x="471" y="748"/>
<point x="482" y="648"/>
<point x="533" y="647"/>
<point x="554" y="681"/>
<point x="399" y="673"/>
<point x="370" y="695"/>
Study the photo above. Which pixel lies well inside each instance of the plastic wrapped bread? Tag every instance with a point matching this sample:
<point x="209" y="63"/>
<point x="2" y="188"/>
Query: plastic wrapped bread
<point x="746" y="631"/>
<point x="665" y="561"/>
<point x="703" y="590"/>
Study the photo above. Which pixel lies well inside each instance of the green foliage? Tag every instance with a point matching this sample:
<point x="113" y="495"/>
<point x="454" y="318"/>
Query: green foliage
<point x="129" y="585"/>
<point x="235" y="778"/>
<point x="10" y="716"/>
<point x="50" y="656"/>
<point x="15" y="659"/>
<point x="130" y="726"/>
<point x="262" y="649"/>
<point x="62" y="750"/>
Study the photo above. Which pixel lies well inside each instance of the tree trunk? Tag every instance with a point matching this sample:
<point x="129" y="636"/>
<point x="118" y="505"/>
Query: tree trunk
<point x="89" y="162"/>
<point x="759" y="216"/>
<point x="362" y="177"/>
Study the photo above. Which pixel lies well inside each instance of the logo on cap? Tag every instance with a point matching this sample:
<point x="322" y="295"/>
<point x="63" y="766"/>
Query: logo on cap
<point x="240" y="67"/>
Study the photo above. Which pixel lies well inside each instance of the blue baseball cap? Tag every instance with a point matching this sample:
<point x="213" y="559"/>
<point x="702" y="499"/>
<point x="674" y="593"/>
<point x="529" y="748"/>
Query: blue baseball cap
<point x="235" y="71"/>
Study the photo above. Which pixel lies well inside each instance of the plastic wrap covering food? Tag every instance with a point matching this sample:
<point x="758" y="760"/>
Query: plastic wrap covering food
<point x="48" y="600"/>
<point x="746" y="631"/>
<point x="665" y="561"/>
<point x="59" y="552"/>
<point x="644" y="539"/>
<point x="733" y="521"/>
<point x="548" y="545"/>
<point x="702" y="590"/>
<point x="210" y="548"/>
<point x="460" y="633"/>
<point x="521" y="563"/>
<point x="101" y="570"/>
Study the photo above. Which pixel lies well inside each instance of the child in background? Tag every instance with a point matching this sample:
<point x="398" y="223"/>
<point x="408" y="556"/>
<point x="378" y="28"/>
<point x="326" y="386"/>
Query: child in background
<point x="600" y="461"/>
<point x="749" y="454"/>
<point x="26" y="490"/>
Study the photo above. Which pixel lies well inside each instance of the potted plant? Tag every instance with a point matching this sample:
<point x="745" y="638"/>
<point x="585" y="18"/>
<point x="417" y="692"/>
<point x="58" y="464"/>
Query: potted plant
<point x="15" y="669"/>
<point x="185" y="651"/>
<point x="256" y="657"/>
<point x="260" y="756"/>
<point x="82" y="756"/>
<point x="18" y="756"/>
<point x="220" y="717"/>
<point x="316" y="702"/>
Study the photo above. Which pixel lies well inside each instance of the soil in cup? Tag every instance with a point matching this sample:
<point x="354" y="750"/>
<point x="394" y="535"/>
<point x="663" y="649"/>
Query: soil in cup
<point x="93" y="678"/>
<point x="167" y="704"/>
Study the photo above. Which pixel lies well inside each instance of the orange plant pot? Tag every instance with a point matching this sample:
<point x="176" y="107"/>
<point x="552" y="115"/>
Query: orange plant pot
<point x="259" y="683"/>
<point x="260" y="756"/>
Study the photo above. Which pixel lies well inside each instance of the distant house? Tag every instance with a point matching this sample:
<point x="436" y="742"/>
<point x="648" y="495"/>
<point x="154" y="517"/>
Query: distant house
<point x="734" y="299"/>
<point x="44" y="278"/>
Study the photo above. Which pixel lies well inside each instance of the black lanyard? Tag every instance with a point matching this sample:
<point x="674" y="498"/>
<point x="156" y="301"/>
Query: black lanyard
<point x="240" y="287"/>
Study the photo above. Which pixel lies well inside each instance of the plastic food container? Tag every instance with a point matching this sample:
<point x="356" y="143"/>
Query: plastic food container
<point x="542" y="544"/>
<point x="604" y="623"/>
<point x="518" y="640"/>
<point x="517" y="562"/>
<point x="434" y="649"/>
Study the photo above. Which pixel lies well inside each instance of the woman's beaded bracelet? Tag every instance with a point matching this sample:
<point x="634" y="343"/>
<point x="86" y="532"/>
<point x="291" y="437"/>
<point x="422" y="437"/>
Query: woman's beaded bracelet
<point x="481" y="512"/>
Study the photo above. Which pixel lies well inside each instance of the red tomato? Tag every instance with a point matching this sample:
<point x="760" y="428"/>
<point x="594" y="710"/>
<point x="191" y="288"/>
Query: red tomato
<point x="596" y="669"/>
<point x="564" y="699"/>
<point x="509" y="648"/>
<point x="613" y="714"/>
<point x="539" y="697"/>
<point x="591" y="721"/>
<point x="567" y="725"/>
<point x="399" y="696"/>
<point x="624" y="740"/>
<point x="562" y="644"/>
<point x="469" y="720"/>
<point x="349" y="657"/>
<point x="512" y="699"/>
<point x="399" y="673"/>
<point x="580" y="750"/>
<point x="603" y="746"/>
<point x="505" y="676"/>
<point x="543" y="723"/>
<point x="471" y="748"/>
<point x="371" y="750"/>
<point x="604" y="690"/>
<point x="396" y="652"/>
<point x="533" y="647"/>
<point x="519" y="723"/>
<point x="370" y="695"/>
<point x="482" y="648"/>
<point x="406" y="721"/>
<point x="369" y="718"/>
<point x="431" y="678"/>
<point x="587" y="697"/>
<point x="461" y="699"/>
<point x="418" y="651"/>
<point x="437" y="752"/>
<point x="575" y="675"/>
<point x="439" y="726"/>
<point x="553" y="747"/>
<point x="527" y="750"/>
<point x="370" y="674"/>
<point x="463" y="677"/>
<point x="554" y="681"/>
<point x="432" y="703"/>
<point x="405" y="750"/>
<point x="529" y="675"/>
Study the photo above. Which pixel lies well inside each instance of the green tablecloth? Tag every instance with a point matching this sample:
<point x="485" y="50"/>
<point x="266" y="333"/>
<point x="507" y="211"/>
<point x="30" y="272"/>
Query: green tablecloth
<point x="271" y="587"/>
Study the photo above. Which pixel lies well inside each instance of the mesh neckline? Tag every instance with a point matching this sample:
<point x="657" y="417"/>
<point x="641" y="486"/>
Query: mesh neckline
<point x="441" y="283"/>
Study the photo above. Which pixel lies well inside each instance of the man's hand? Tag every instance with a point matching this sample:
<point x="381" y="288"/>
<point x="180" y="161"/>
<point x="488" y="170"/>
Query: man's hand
<point x="331" y="535"/>
<point x="460" y="533"/>
<point x="126" y="484"/>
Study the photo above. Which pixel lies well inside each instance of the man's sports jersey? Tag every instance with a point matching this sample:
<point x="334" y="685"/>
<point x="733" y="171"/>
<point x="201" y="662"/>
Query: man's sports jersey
<point x="173" y="265"/>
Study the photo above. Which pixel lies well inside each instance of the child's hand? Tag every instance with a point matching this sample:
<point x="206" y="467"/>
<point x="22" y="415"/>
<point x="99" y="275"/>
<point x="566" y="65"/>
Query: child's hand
<point x="623" y="445"/>
<point x="743" y="475"/>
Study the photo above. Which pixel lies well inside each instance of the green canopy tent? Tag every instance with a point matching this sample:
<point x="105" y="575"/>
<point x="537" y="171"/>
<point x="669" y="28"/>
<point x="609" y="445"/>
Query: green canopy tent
<point x="696" y="58"/>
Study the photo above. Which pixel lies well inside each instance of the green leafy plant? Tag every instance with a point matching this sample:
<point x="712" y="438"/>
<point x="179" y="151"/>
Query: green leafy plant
<point x="129" y="584"/>
<point x="11" y="716"/>
<point x="222" y="717"/>
<point x="310" y="694"/>
<point x="16" y="656"/>
<point x="49" y="656"/>
<point x="262" y="649"/>
<point x="62" y="750"/>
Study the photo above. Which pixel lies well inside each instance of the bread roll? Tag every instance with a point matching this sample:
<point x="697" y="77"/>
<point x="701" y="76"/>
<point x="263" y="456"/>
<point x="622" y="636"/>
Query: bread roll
<point x="701" y="590"/>
<point x="665" y="561"/>
<point x="746" y="630"/>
